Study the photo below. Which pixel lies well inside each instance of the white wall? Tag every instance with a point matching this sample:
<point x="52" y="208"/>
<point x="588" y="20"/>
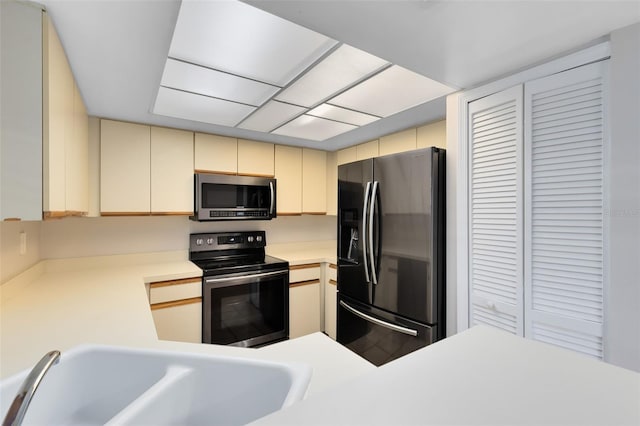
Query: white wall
<point x="452" y="160"/>
<point x="78" y="237"/>
<point x="623" y="299"/>
<point x="12" y="262"/>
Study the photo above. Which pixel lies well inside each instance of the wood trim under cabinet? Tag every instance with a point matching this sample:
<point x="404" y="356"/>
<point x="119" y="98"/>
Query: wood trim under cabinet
<point x="12" y="219"/>
<point x="333" y="282"/>
<point x="305" y="266"/>
<point x="315" y="213"/>
<point x="125" y="213"/>
<point x="174" y="303"/>
<point x="54" y="215"/>
<point x="301" y="283"/>
<point x="215" y="172"/>
<point x="333" y="266"/>
<point x="171" y="214"/>
<point x="288" y="214"/>
<point x="157" y="284"/>
<point x="256" y="175"/>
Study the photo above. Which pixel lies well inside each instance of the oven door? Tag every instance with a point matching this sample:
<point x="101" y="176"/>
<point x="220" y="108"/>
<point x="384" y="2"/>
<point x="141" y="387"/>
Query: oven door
<point x="247" y="310"/>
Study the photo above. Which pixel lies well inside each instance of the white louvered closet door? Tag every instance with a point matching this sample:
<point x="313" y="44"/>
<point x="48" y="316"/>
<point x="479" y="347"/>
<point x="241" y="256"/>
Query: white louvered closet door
<point x="496" y="204"/>
<point x="564" y="228"/>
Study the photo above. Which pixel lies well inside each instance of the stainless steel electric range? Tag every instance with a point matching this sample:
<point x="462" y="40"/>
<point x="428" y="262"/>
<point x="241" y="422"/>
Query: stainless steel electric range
<point x="245" y="293"/>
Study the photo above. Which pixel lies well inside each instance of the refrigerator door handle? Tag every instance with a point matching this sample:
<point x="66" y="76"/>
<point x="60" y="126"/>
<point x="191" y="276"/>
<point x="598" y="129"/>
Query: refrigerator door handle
<point x="372" y="207"/>
<point x="364" y="232"/>
<point x="390" y="326"/>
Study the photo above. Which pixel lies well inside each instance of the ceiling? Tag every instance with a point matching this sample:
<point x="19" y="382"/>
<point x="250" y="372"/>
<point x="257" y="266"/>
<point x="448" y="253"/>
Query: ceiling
<point x="118" y="49"/>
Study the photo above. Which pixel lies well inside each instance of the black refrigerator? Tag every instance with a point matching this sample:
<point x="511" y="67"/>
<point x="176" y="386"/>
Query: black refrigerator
<point x="391" y="254"/>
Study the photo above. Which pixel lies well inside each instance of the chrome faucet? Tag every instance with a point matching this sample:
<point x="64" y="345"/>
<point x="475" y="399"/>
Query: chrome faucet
<point x="21" y="402"/>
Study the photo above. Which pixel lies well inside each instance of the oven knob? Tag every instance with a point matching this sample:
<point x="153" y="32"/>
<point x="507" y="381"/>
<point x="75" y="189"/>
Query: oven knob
<point x="250" y="238"/>
<point x="209" y="241"/>
<point x="199" y="241"/>
<point x="259" y="238"/>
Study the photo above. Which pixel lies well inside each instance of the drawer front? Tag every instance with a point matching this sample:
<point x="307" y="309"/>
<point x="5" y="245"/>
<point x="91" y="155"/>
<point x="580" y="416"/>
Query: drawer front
<point x="298" y="273"/>
<point x="167" y="291"/>
<point x="332" y="272"/>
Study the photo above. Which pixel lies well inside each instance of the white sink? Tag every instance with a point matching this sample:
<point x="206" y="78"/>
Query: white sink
<point x="95" y="385"/>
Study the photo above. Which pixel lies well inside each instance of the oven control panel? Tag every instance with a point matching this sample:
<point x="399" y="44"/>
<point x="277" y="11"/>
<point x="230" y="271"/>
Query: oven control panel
<point x="227" y="240"/>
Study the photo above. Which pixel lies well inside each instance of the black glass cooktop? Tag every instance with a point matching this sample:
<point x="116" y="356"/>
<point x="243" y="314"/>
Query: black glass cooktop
<point x="238" y="264"/>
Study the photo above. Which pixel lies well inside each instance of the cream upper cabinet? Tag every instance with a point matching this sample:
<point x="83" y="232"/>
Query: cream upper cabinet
<point x="432" y="134"/>
<point x="367" y="150"/>
<point x="65" y="136"/>
<point x="314" y="181"/>
<point x="125" y="168"/>
<point x="171" y="171"/>
<point x="288" y="172"/>
<point x="255" y="158"/>
<point x="21" y="111"/>
<point x="332" y="183"/>
<point x="77" y="160"/>
<point x="347" y="155"/>
<point x="398" y="142"/>
<point x="215" y="154"/>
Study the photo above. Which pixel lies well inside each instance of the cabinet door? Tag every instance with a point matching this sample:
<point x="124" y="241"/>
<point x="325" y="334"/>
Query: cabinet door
<point x="314" y="181"/>
<point x="565" y="132"/>
<point x="255" y="158"/>
<point x="367" y="150"/>
<point x="288" y="172"/>
<point x="77" y="160"/>
<point x="332" y="183"/>
<point x="171" y="171"/>
<point x="215" y="154"/>
<point x="496" y="211"/>
<point x="304" y="308"/>
<point x="21" y="111"/>
<point x="432" y="134"/>
<point x="125" y="168"/>
<point x="330" y="301"/>
<point x="58" y="121"/>
<point x="398" y="142"/>
<point x="347" y="155"/>
<point x="179" y="321"/>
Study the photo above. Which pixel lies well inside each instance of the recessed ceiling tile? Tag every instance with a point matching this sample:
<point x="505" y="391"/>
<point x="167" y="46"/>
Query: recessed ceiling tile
<point x="337" y="71"/>
<point x="205" y="81"/>
<point x="270" y="116"/>
<point x="393" y="90"/>
<point x="313" y="128"/>
<point x="189" y="106"/>
<point x="340" y="114"/>
<point x="231" y="36"/>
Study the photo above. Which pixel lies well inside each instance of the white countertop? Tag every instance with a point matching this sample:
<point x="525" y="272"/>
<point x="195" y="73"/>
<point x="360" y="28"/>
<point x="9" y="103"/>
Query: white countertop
<point x="479" y="377"/>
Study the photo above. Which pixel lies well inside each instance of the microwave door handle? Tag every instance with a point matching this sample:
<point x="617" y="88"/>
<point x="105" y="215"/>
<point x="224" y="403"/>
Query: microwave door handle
<point x="273" y="198"/>
<point x="364" y="232"/>
<point x="372" y="207"/>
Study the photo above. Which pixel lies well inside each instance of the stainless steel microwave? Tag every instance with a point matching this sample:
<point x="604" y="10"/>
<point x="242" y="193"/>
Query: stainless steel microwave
<point x="226" y="197"/>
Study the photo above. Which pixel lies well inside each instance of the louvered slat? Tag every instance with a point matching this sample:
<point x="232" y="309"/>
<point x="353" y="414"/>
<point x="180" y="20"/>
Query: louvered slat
<point x="495" y="228"/>
<point x="564" y="229"/>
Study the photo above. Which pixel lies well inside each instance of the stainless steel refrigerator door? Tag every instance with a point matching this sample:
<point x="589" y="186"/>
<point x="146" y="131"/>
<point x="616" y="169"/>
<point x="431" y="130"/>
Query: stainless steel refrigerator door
<point x="354" y="190"/>
<point x="379" y="336"/>
<point x="403" y="225"/>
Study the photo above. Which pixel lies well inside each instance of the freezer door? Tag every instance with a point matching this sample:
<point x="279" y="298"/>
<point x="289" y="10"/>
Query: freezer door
<point x="354" y="189"/>
<point x="405" y="241"/>
<point x="379" y="336"/>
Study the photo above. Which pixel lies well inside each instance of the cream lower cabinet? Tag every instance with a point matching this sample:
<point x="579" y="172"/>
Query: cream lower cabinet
<point x="330" y="299"/>
<point x="304" y="299"/>
<point x="288" y="172"/>
<point x="176" y="307"/>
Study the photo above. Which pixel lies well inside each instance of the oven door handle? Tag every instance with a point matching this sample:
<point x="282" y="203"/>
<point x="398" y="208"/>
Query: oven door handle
<point x="244" y="277"/>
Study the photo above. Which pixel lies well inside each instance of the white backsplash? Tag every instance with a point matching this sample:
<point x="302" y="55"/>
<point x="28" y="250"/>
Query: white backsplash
<point x="12" y="262"/>
<point x="79" y="237"/>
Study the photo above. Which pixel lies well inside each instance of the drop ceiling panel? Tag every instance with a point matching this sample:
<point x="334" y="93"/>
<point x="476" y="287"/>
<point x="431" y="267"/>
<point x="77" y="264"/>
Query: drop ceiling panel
<point x="189" y="106"/>
<point x="234" y="37"/>
<point x="393" y="90"/>
<point x="271" y="116"/>
<point x="313" y="128"/>
<point x="344" y="115"/>
<point x="205" y="81"/>
<point x="337" y="71"/>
